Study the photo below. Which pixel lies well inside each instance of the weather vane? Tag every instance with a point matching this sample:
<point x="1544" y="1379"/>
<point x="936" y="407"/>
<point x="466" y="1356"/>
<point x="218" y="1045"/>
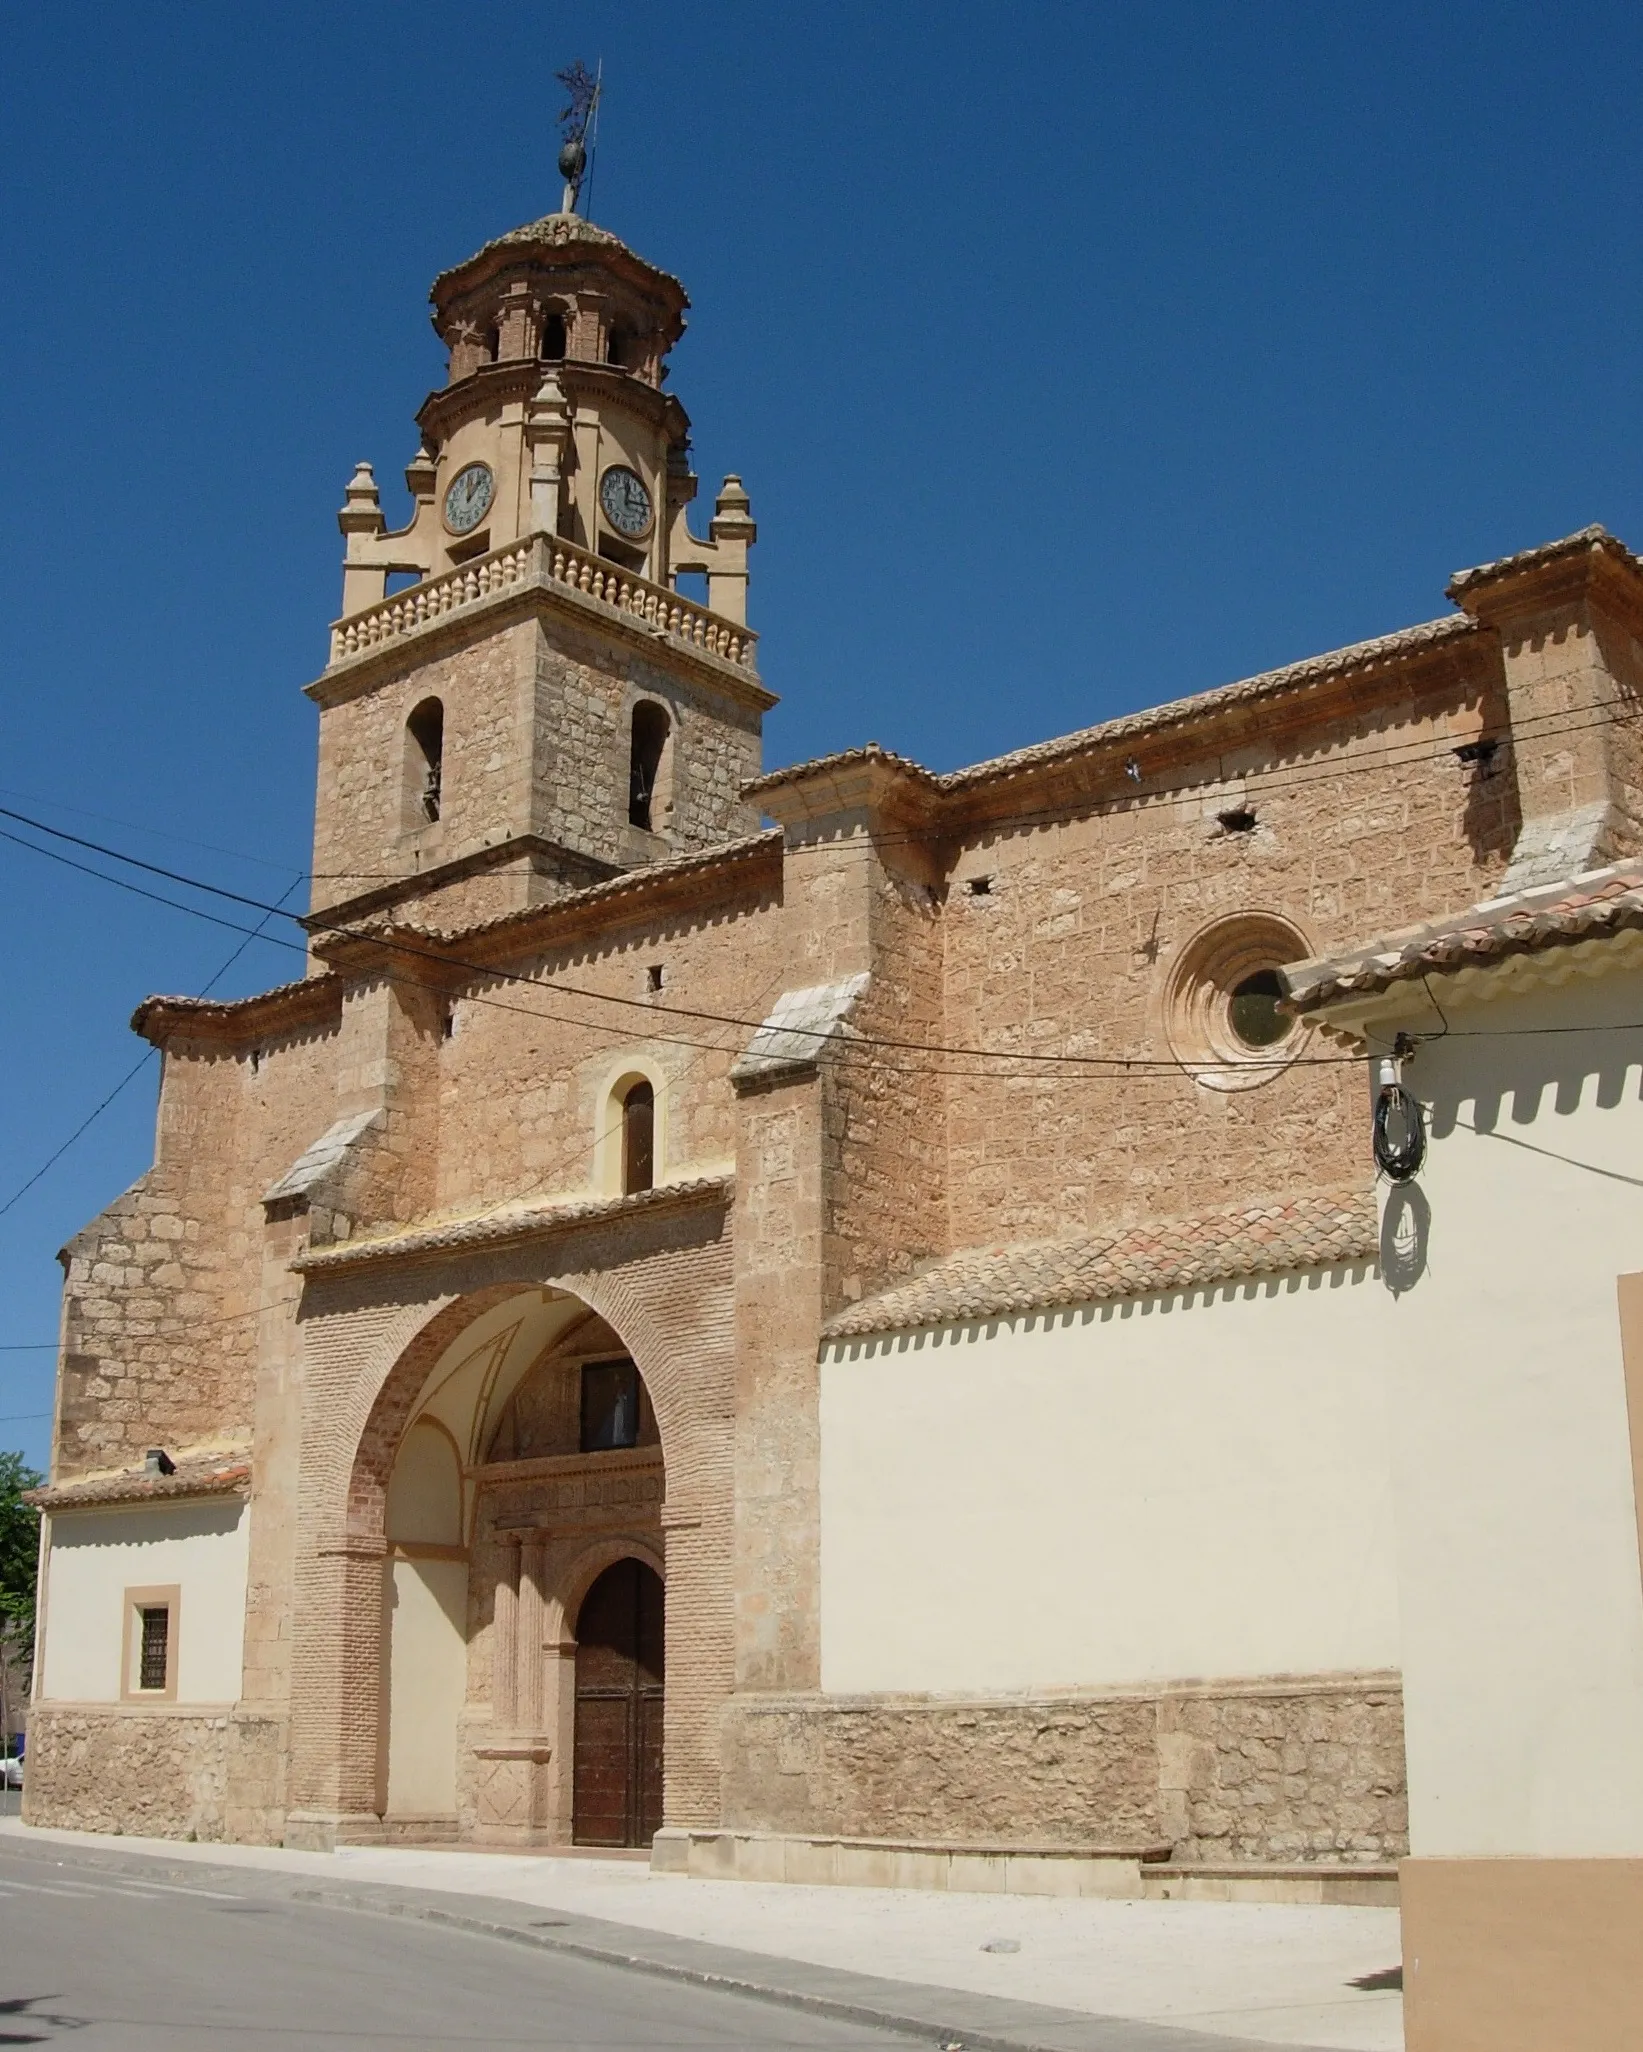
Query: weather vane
<point x="579" y="124"/>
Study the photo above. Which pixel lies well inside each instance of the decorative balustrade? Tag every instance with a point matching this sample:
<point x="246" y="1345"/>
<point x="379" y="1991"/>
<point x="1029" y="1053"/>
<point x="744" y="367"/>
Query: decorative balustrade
<point x="545" y="559"/>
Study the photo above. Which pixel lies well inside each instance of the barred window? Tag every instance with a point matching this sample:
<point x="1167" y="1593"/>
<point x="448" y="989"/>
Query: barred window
<point x="154" y="1657"/>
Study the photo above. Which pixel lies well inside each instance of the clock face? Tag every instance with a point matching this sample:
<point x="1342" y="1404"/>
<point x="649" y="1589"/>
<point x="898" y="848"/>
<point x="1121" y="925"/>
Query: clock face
<point x="468" y="498"/>
<point x="625" y="500"/>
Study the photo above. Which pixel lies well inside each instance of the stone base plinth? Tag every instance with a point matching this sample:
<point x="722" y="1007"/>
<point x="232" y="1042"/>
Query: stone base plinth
<point x="143" y="1770"/>
<point x="884" y="1863"/>
<point x="1272" y="1772"/>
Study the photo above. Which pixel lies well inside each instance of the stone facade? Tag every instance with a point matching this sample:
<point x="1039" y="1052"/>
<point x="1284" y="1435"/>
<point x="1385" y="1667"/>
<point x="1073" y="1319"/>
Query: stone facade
<point x="486" y="985"/>
<point x="145" y="1773"/>
<point x="1280" y="1773"/>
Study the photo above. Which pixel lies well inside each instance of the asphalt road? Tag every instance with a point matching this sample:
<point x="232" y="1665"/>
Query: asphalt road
<point x="121" y="1962"/>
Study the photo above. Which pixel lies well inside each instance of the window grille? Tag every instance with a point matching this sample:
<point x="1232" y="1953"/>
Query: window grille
<point x="155" y="1650"/>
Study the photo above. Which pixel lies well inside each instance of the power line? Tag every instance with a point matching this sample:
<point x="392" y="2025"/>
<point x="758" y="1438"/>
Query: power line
<point x="1256" y="783"/>
<point x="142" y="1063"/>
<point x="399" y="945"/>
<point x="1132" y="1066"/>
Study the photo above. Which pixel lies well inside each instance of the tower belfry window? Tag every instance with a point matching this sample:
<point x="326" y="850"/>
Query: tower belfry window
<point x="646" y="762"/>
<point x="553" y="337"/>
<point x="424" y="763"/>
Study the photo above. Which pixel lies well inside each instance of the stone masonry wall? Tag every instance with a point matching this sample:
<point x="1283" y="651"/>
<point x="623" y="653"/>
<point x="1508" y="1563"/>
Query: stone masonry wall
<point x="537" y="740"/>
<point x="362" y="836"/>
<point x="1069" y="950"/>
<point x="1304" y="1772"/>
<point x="148" y="1773"/>
<point x="1314" y="1774"/>
<point x="585" y="693"/>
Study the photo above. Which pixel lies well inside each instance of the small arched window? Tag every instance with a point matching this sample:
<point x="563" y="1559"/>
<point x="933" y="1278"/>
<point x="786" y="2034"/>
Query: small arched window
<point x="553" y="337"/>
<point x="638" y="1138"/>
<point x="493" y="343"/>
<point x="618" y="348"/>
<point x="424" y="763"/>
<point x="647" y="762"/>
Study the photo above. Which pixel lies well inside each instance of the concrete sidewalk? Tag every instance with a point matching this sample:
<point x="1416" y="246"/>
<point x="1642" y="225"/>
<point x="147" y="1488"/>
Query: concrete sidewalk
<point x="1275" y="1974"/>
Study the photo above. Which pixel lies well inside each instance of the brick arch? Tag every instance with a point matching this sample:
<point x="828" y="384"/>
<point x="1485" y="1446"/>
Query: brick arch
<point x="398" y="1371"/>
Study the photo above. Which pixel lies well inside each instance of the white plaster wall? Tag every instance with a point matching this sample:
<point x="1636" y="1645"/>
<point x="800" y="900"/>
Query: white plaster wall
<point x="1187" y="1486"/>
<point x="427" y="1682"/>
<point x="96" y="1555"/>
<point x="1522" y="1595"/>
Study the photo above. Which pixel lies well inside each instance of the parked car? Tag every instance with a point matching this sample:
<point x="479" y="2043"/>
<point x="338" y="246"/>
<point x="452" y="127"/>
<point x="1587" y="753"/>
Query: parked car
<point x="11" y="1771"/>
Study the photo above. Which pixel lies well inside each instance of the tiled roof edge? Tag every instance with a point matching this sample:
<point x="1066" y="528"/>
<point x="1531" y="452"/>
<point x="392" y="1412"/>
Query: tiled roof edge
<point x="504" y="1223"/>
<point x="1596" y="536"/>
<point x="304" y="1002"/>
<point x="633" y="883"/>
<point x="1340" y="662"/>
<point x="978" y="1283"/>
<point x="1593" y="906"/>
<point x="191" y="1478"/>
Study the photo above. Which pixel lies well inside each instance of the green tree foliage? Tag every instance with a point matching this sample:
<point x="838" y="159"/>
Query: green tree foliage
<point x="19" y="1548"/>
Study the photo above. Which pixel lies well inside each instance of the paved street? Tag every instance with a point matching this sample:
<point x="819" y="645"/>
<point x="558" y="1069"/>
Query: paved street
<point x="125" y="1962"/>
<point x="798" y="1966"/>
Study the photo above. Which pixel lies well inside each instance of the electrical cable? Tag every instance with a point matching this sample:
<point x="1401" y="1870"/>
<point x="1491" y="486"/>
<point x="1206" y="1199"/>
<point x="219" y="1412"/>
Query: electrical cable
<point x="133" y="1073"/>
<point x="400" y="945"/>
<point x="1399" y="1135"/>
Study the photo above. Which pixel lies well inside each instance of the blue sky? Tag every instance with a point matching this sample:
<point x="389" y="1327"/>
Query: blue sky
<point x="1075" y="356"/>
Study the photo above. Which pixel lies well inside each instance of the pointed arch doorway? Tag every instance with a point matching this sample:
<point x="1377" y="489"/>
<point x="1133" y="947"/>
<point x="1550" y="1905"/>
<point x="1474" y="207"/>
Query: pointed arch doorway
<point x="617" y="1798"/>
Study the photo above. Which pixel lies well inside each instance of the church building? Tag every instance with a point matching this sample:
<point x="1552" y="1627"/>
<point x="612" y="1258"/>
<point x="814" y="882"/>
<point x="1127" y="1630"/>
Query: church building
<point x="829" y="1322"/>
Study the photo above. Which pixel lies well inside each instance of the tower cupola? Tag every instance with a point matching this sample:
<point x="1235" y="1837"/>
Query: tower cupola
<point x="553" y="419"/>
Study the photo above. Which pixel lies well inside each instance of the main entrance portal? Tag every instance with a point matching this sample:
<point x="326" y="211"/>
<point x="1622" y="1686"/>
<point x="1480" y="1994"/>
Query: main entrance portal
<point x="618" y="1771"/>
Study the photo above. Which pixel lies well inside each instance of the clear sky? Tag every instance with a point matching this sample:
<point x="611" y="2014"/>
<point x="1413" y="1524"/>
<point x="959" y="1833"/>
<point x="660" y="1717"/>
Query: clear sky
<point x="1076" y="357"/>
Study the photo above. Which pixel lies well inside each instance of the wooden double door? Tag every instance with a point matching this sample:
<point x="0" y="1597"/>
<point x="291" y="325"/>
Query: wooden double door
<point x="618" y="1768"/>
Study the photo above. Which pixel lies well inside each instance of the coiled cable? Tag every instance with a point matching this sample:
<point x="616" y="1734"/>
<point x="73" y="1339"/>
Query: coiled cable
<point x="1400" y="1133"/>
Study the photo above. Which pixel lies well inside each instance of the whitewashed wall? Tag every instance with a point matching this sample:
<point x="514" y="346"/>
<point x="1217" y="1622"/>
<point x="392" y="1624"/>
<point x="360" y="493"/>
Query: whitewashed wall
<point x="96" y="1555"/>
<point x="428" y="1623"/>
<point x="1522" y="1595"/>
<point x="1192" y="1486"/>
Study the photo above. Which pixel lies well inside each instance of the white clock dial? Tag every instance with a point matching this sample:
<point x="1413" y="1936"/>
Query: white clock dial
<point x="625" y="501"/>
<point x="468" y="498"/>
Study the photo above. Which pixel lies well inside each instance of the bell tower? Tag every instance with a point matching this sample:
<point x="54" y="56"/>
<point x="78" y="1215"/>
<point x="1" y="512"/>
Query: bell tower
<point x="520" y="699"/>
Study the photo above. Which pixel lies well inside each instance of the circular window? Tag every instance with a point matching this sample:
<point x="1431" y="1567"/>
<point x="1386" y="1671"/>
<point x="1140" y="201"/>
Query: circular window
<point x="1252" y="1010"/>
<point x="1223" y="1011"/>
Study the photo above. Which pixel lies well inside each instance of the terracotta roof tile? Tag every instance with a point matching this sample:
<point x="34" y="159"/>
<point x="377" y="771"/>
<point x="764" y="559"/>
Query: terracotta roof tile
<point x="217" y="1476"/>
<point x="1160" y="1254"/>
<point x="1593" y="537"/>
<point x="517" y="1220"/>
<point x="1589" y="907"/>
<point x="1360" y="655"/>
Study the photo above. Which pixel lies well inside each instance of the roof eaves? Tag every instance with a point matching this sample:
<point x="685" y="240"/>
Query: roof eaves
<point x="1291" y="677"/>
<point x="1583" y="542"/>
<point x="1590" y="907"/>
<point x="509" y="1223"/>
<point x="1318" y="1230"/>
<point x="306" y="1001"/>
<point x="658" y="879"/>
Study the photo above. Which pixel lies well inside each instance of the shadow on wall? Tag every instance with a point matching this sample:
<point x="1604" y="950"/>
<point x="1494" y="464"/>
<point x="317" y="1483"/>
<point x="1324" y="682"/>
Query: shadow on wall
<point x="1520" y="1080"/>
<point x="1510" y="1082"/>
<point x="1406" y="1226"/>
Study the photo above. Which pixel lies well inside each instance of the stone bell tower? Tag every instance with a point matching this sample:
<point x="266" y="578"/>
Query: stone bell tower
<point x="535" y="705"/>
